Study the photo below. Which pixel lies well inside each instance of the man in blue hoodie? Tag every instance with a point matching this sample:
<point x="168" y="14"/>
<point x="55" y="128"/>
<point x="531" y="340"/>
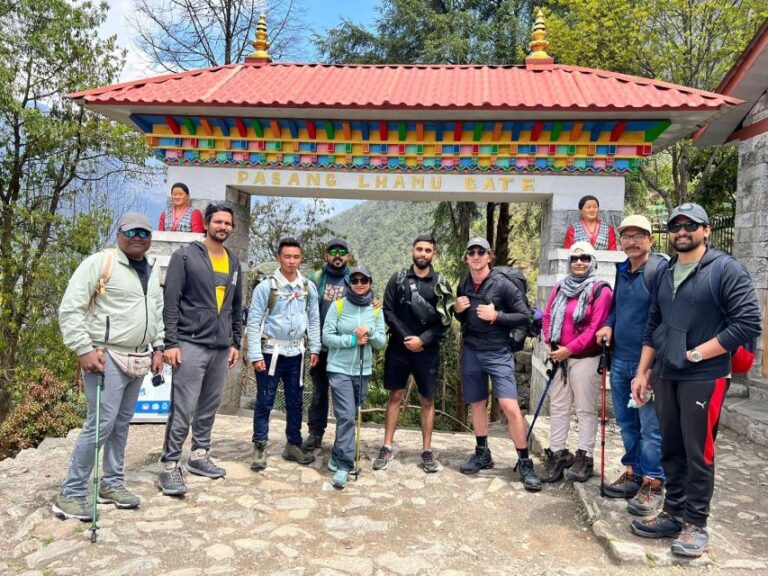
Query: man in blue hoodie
<point x="705" y="307"/>
<point x="284" y="312"/>
<point x="643" y="478"/>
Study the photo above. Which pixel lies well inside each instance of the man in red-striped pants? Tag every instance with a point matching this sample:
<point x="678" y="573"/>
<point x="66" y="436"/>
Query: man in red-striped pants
<point x="704" y="308"/>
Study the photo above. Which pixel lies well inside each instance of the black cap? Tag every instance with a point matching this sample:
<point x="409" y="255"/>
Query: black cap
<point x="337" y="242"/>
<point x="361" y="270"/>
<point x="690" y="210"/>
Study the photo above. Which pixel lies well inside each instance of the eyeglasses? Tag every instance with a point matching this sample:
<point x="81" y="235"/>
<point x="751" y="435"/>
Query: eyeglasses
<point x="363" y="281"/>
<point x="140" y="232"/>
<point x="690" y="226"/>
<point x="637" y="237"/>
<point x="585" y="258"/>
<point x="477" y="252"/>
<point x="338" y="252"/>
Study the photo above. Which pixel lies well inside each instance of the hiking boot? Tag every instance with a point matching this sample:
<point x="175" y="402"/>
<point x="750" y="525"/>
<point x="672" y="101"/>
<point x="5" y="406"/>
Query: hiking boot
<point x="692" y="542"/>
<point x="555" y="463"/>
<point x="428" y="461"/>
<point x="120" y="497"/>
<point x="581" y="471"/>
<point x="294" y="453"/>
<point x="340" y="479"/>
<point x="312" y="442"/>
<point x="72" y="507"/>
<point x="663" y="526"/>
<point x="625" y="486"/>
<point x="382" y="460"/>
<point x="528" y="475"/>
<point x="259" y="461"/>
<point x="480" y="460"/>
<point x="648" y="499"/>
<point x="171" y="481"/>
<point x="332" y="464"/>
<point x="202" y="465"/>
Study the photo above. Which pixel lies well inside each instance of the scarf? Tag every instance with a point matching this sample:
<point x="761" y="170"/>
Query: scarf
<point x="364" y="300"/>
<point x="571" y="286"/>
<point x="183" y="224"/>
<point x="580" y="234"/>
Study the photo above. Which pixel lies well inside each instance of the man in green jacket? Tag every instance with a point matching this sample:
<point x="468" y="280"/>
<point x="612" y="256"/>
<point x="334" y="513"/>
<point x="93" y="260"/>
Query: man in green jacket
<point x="112" y="307"/>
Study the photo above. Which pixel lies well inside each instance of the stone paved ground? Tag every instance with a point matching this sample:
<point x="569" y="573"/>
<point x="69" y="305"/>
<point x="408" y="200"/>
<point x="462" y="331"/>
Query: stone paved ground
<point x="289" y="520"/>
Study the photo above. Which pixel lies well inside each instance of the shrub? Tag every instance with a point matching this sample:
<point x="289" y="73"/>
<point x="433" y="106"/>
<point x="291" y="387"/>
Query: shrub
<point x="48" y="406"/>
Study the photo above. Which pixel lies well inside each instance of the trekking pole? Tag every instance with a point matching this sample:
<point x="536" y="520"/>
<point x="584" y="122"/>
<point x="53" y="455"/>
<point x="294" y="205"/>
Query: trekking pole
<point x="359" y="417"/>
<point x="99" y="388"/>
<point x="602" y="369"/>
<point x="550" y="378"/>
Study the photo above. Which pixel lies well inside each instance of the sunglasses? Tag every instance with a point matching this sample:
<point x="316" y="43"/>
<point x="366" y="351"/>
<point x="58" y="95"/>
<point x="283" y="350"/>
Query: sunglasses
<point x="357" y="280"/>
<point x="637" y="237"/>
<point x="338" y="252"/>
<point x="477" y="252"/>
<point x="585" y="258"/>
<point x="690" y="226"/>
<point x="140" y="232"/>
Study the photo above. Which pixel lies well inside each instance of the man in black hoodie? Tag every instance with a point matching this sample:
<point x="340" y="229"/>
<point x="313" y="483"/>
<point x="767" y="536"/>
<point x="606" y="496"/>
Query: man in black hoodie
<point x="704" y="308"/>
<point x="203" y="316"/>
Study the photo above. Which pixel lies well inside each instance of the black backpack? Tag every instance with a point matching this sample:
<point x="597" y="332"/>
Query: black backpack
<point x="518" y="334"/>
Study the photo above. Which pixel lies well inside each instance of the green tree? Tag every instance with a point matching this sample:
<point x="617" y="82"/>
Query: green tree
<point x="58" y="163"/>
<point x="692" y="43"/>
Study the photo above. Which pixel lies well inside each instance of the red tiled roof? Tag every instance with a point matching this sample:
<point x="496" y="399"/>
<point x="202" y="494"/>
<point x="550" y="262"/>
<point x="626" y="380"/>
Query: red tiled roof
<point x="433" y="87"/>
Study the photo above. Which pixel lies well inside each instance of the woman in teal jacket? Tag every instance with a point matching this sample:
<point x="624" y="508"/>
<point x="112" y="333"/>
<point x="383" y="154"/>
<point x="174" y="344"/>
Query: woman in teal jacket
<point x="351" y="329"/>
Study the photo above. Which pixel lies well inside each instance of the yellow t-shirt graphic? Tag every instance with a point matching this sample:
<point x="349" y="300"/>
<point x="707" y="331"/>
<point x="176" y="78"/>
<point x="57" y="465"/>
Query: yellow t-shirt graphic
<point x="220" y="274"/>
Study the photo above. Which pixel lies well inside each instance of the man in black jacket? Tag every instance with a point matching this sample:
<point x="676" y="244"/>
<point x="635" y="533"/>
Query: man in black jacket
<point x="488" y="306"/>
<point x="412" y="301"/>
<point x="704" y="308"/>
<point x="204" y="323"/>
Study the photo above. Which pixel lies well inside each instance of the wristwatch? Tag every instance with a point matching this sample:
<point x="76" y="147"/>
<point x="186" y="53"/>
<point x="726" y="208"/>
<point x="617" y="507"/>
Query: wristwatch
<point x="695" y="356"/>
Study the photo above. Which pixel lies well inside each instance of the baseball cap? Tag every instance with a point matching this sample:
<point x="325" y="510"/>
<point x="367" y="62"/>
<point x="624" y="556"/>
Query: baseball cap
<point x="360" y="270"/>
<point x="337" y="242"/>
<point x="636" y="221"/>
<point x="131" y="220"/>
<point x="690" y="210"/>
<point x="585" y="247"/>
<point x="479" y="241"/>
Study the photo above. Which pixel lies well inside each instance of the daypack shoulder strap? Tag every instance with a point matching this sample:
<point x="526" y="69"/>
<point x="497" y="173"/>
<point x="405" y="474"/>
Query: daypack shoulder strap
<point x="715" y="278"/>
<point x="651" y="270"/>
<point x="340" y="308"/>
<point x="107" y="266"/>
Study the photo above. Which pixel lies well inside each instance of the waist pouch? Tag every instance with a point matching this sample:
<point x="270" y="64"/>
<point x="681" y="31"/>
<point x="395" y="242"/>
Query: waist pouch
<point x="132" y="365"/>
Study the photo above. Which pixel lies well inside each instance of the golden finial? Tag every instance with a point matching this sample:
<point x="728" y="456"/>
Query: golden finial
<point x="539" y="44"/>
<point x="260" y="45"/>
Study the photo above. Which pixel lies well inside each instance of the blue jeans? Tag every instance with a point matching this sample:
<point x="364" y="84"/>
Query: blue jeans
<point x="288" y="370"/>
<point x="346" y="391"/>
<point x="639" y="426"/>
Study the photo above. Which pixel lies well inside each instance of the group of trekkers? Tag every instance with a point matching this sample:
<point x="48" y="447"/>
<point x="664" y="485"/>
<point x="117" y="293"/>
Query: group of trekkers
<point x="671" y="326"/>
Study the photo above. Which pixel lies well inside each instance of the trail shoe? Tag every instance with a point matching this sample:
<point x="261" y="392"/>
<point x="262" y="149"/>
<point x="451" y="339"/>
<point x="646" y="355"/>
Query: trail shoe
<point x="259" y="461"/>
<point x="120" y="497"/>
<point x="663" y="526"/>
<point x="340" y="479"/>
<point x="625" y="486"/>
<point x="480" y="460"/>
<point x="382" y="460"/>
<point x="648" y="499"/>
<point x="294" y="453"/>
<point x="73" y="507"/>
<point x="555" y="463"/>
<point x="581" y="471"/>
<point x="171" y="481"/>
<point x="692" y="542"/>
<point x="312" y="442"/>
<point x="528" y="475"/>
<point x="332" y="464"/>
<point x="428" y="461"/>
<point x="201" y="465"/>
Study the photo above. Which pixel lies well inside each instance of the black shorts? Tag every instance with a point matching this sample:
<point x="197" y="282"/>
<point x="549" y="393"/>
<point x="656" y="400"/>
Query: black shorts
<point x="401" y="363"/>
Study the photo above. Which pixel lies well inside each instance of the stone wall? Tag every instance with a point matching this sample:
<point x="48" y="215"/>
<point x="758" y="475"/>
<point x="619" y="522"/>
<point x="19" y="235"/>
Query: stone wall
<point x="751" y="239"/>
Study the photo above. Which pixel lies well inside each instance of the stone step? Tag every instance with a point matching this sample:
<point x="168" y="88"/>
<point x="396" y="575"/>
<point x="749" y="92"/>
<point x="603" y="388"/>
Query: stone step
<point x="758" y="394"/>
<point x="748" y="417"/>
<point x="738" y="390"/>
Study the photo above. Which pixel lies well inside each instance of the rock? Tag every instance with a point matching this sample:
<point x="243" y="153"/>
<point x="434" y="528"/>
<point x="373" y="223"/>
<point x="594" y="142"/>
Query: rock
<point x="310" y="476"/>
<point x="167" y="526"/>
<point x="250" y="544"/>
<point x="496" y="485"/>
<point x="219" y="552"/>
<point x="54" y="550"/>
<point x="402" y="565"/>
<point x="183" y="572"/>
<point x="744" y="564"/>
<point x="355" y="523"/>
<point x="269" y="486"/>
<point x="291" y="531"/>
<point x="356" y="565"/>
<point x="296" y="503"/>
<point x="135" y="566"/>
<point x="56" y="530"/>
<point x="287" y="551"/>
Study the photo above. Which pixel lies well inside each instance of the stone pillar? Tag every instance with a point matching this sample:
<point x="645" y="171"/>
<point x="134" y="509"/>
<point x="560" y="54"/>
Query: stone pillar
<point x="751" y="236"/>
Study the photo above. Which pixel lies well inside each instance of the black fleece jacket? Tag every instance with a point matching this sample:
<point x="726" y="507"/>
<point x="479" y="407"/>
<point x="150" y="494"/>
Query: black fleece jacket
<point x="508" y="301"/>
<point x="680" y="322"/>
<point x="190" y="311"/>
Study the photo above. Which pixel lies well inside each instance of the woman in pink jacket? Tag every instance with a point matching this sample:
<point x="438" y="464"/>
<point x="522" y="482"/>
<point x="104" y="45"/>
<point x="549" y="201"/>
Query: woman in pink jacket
<point x="577" y="308"/>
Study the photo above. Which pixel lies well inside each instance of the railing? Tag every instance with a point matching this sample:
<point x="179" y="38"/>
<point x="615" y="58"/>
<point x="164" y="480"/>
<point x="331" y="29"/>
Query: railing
<point x="720" y="237"/>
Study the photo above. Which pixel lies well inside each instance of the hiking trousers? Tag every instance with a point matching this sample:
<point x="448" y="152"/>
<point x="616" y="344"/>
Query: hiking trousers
<point x="347" y="397"/>
<point x="580" y="389"/>
<point x="317" y="416"/>
<point x="118" y="403"/>
<point x="196" y="389"/>
<point x="689" y="415"/>
<point x="288" y="370"/>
